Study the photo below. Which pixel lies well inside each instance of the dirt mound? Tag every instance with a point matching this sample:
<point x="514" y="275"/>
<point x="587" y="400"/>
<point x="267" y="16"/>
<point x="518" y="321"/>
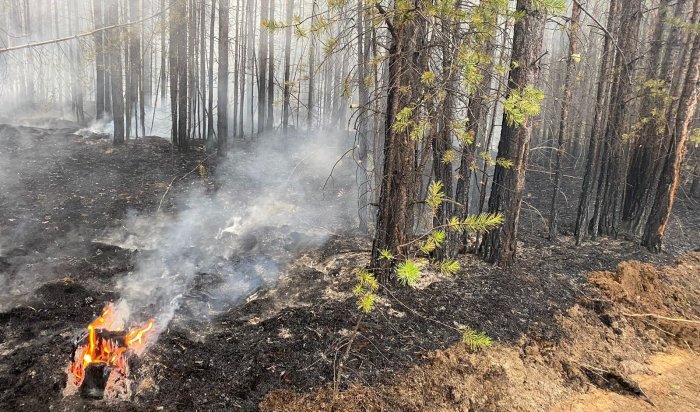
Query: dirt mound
<point x="665" y="299"/>
<point x="607" y="342"/>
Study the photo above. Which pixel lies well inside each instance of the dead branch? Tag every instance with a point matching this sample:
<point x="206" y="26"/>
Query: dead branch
<point x="655" y="316"/>
<point x="80" y="35"/>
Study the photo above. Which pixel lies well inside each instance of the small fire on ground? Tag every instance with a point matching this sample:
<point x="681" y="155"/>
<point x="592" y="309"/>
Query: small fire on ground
<point x="100" y="361"/>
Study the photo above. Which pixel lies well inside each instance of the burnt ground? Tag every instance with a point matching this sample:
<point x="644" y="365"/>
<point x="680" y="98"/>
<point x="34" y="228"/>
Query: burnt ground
<point x="290" y="336"/>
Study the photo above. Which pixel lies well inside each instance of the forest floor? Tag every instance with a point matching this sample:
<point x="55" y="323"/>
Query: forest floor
<point x="565" y="324"/>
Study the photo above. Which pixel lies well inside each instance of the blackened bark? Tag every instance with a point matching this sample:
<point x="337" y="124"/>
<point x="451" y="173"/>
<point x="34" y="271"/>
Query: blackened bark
<point x="599" y="118"/>
<point x="210" y="103"/>
<point x="362" y="120"/>
<point x="270" y="71"/>
<point x="182" y="76"/>
<point x="222" y="98"/>
<point x="263" y="54"/>
<point x="499" y="246"/>
<point x="287" y="62"/>
<point x="608" y="213"/>
<point x="99" y="61"/>
<point x="115" y="70"/>
<point x="398" y="190"/>
<point x="312" y="73"/>
<point x="678" y="135"/>
<point x="644" y="169"/>
<point x="574" y="27"/>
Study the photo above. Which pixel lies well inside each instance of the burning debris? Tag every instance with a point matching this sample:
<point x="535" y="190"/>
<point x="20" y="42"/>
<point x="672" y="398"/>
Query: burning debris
<point x="101" y="356"/>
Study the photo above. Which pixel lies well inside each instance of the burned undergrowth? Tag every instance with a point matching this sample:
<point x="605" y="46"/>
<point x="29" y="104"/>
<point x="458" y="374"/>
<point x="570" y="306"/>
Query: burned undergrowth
<point x="229" y="348"/>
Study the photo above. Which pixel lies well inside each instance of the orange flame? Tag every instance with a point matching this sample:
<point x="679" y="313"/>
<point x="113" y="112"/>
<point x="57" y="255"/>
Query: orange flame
<point x="106" y="350"/>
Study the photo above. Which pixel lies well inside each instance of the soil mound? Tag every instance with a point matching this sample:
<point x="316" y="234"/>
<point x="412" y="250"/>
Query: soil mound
<point x="609" y="337"/>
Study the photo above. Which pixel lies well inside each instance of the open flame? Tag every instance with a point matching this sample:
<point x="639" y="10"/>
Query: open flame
<point x="108" y="345"/>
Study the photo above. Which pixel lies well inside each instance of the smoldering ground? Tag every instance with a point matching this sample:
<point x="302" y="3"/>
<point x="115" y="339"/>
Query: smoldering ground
<point x="232" y="231"/>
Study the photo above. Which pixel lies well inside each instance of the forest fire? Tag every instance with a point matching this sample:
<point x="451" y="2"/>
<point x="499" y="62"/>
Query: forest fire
<point x="100" y="357"/>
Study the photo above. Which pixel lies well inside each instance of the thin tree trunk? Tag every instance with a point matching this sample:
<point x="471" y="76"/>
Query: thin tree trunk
<point x="269" y="119"/>
<point x="608" y="213"/>
<point x="210" y="106"/>
<point x="99" y="61"/>
<point x="222" y="98"/>
<point x="115" y="69"/>
<point x="574" y="26"/>
<point x="263" y="54"/>
<point x="312" y="73"/>
<point x="287" y="63"/>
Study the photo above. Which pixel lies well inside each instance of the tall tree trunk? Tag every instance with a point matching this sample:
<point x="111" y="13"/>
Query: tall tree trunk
<point x="312" y="72"/>
<point x="172" y="62"/>
<point x="508" y="182"/>
<point x="678" y="136"/>
<point x="182" y="78"/>
<point x="99" y="61"/>
<point x="115" y="71"/>
<point x="608" y="211"/>
<point x="163" y="54"/>
<point x="269" y="119"/>
<point x="362" y="120"/>
<point x="574" y="25"/>
<point x="477" y="111"/>
<point x="263" y="54"/>
<point x="398" y="189"/>
<point x="642" y="176"/>
<point x="591" y="173"/>
<point x="203" y="68"/>
<point x="287" y="62"/>
<point x="442" y="137"/>
<point x="210" y="105"/>
<point x="242" y="65"/>
<point x="222" y="98"/>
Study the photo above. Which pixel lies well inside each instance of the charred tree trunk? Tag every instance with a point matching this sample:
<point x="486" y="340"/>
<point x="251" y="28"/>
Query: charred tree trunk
<point x="477" y="111"/>
<point x="172" y="62"/>
<point x="210" y="102"/>
<point x="398" y="190"/>
<point x="677" y="135"/>
<point x="608" y="208"/>
<point x="312" y="73"/>
<point x="442" y="139"/>
<point x="182" y="77"/>
<point x="222" y="98"/>
<point x="263" y="54"/>
<point x="287" y="62"/>
<point x="269" y="119"/>
<point x="574" y="26"/>
<point x="163" y="64"/>
<point x="499" y="246"/>
<point x="591" y="173"/>
<point x="99" y="62"/>
<point x="362" y="120"/>
<point x="115" y="72"/>
<point x="642" y="176"/>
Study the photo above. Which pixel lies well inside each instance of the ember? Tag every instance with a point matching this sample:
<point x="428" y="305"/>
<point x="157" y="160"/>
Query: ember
<point x="103" y="351"/>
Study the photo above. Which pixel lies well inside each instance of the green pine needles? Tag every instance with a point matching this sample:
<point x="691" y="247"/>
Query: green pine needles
<point x="409" y="273"/>
<point x="365" y="290"/>
<point x="475" y="340"/>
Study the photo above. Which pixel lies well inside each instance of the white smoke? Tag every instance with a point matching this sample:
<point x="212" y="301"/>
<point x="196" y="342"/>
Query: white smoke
<point x="216" y="249"/>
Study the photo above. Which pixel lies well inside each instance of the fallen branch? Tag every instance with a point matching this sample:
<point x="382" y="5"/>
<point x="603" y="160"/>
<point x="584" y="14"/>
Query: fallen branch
<point x="178" y="178"/>
<point x="655" y="316"/>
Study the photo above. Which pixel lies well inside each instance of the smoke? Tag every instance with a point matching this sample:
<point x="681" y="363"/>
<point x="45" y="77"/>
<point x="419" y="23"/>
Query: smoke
<point x="157" y="123"/>
<point x="220" y="245"/>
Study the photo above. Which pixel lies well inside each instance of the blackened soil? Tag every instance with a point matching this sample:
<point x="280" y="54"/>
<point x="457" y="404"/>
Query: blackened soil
<point x="290" y="336"/>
